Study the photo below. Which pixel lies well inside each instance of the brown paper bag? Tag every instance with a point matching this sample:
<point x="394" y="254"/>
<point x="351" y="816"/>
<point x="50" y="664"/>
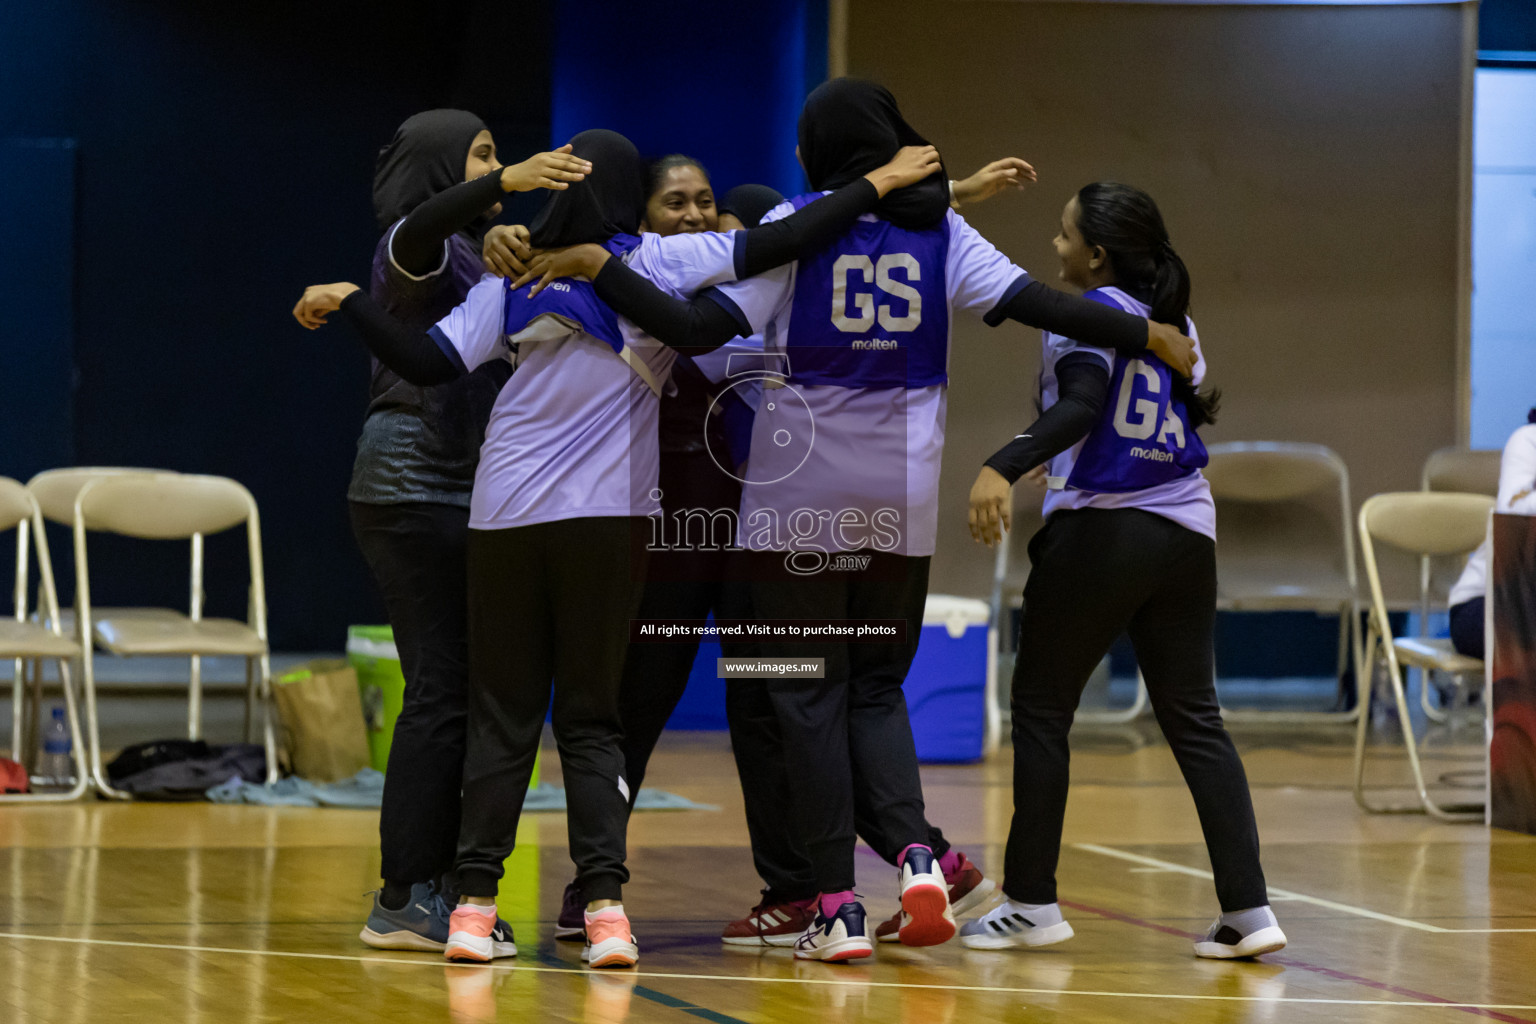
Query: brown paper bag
<point x="323" y="735"/>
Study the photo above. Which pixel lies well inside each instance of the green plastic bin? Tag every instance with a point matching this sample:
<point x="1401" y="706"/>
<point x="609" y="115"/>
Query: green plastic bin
<point x="381" y="683"/>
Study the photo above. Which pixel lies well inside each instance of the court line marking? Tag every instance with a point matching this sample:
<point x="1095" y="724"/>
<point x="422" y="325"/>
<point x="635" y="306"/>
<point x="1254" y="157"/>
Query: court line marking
<point x="1287" y="961"/>
<point x="1152" y="863"/>
<point x="678" y="976"/>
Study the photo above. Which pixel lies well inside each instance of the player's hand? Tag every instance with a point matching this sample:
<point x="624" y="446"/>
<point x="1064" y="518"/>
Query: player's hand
<point x="1172" y="348"/>
<point x="319" y="301"/>
<point x="504" y="250"/>
<point x="553" y="170"/>
<point x="991" y="506"/>
<point x="1009" y="172"/>
<point x="910" y="165"/>
<point x="548" y="265"/>
<point x="1037" y="477"/>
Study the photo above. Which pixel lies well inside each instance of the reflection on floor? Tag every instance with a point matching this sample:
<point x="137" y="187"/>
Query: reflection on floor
<point x="154" y="913"/>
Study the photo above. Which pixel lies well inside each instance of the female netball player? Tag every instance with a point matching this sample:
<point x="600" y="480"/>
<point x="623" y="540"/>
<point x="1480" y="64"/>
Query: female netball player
<point x="436" y="186"/>
<point x="845" y="459"/>
<point x="700" y="476"/>
<point x="788" y="904"/>
<point x="1129" y="545"/>
<point x="560" y="512"/>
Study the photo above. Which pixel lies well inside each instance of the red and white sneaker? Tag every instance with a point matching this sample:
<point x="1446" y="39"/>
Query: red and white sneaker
<point x="926" y="918"/>
<point x="771" y="924"/>
<point x="477" y="937"/>
<point x="968" y="889"/>
<point x="610" y="942"/>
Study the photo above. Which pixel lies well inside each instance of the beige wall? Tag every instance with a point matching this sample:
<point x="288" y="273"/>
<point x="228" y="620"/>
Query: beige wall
<point x="1309" y="163"/>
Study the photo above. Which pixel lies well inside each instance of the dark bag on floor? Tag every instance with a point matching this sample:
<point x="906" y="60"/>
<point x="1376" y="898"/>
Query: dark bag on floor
<point x="144" y="756"/>
<point x="185" y="769"/>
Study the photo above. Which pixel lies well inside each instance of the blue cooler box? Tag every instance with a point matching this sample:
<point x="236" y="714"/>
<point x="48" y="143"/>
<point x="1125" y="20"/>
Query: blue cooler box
<point x="946" y="689"/>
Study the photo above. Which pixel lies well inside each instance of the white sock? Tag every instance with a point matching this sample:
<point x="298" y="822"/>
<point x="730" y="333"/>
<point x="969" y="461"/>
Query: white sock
<point x="591" y="915"/>
<point x="477" y="908"/>
<point x="1041" y="915"/>
<point x="1246" y="922"/>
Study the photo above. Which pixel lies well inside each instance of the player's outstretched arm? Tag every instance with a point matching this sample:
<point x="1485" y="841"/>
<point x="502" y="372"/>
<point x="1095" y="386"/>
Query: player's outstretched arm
<point x="998" y="176"/>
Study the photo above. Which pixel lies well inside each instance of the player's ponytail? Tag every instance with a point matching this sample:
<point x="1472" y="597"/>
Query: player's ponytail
<point x="1127" y="225"/>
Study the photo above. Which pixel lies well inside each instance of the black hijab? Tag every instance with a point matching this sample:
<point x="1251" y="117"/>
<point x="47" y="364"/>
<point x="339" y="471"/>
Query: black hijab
<point x="750" y="203"/>
<point x="848" y="127"/>
<point x="425" y="157"/>
<point x="609" y="201"/>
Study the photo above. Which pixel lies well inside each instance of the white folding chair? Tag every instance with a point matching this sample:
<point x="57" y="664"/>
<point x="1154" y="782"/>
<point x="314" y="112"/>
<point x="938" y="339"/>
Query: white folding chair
<point x="1424" y="525"/>
<point x="169" y="506"/>
<point x="1461" y="471"/>
<point x="26" y="643"/>
<point x="1010" y="571"/>
<point x="1283" y="523"/>
<point x="55" y="491"/>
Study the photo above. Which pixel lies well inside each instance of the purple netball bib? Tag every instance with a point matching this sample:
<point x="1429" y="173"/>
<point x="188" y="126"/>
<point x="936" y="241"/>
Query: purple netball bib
<point x="570" y="299"/>
<point x="871" y="310"/>
<point x="1143" y="438"/>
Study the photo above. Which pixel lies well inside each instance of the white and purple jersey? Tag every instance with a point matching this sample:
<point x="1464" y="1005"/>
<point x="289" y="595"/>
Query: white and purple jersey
<point x="846" y="454"/>
<point x="573" y="434"/>
<point x="1142" y="453"/>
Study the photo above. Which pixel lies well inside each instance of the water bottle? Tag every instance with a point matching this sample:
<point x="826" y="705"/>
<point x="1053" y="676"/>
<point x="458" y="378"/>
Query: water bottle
<point x="55" y="767"/>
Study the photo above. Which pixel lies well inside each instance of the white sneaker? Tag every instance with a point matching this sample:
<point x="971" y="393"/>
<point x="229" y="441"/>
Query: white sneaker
<point x="1009" y="926"/>
<point x="926" y="917"/>
<point x="1224" y="942"/>
<point x="843" y="936"/>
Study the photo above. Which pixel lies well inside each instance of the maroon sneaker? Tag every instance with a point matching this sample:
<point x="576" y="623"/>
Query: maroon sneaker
<point x="770" y="924"/>
<point x="571" y="925"/>
<point x="968" y="889"/>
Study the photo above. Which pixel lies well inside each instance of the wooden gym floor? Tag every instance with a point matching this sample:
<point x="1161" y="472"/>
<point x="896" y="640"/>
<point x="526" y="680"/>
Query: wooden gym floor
<point x="158" y="913"/>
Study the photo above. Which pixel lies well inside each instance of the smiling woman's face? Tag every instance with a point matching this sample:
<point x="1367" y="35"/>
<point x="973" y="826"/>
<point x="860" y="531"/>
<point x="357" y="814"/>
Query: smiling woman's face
<point x="683" y="202"/>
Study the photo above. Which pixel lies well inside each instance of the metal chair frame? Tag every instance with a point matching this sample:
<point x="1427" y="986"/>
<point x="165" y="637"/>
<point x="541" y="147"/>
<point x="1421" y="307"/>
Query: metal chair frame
<point x="1454" y="466"/>
<point x="90" y="508"/>
<point x="1381" y="644"/>
<point x="1348" y="611"/>
<point x="19" y="511"/>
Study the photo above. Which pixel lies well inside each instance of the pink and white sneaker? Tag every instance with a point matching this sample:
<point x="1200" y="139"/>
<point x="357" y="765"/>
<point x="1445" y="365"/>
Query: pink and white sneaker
<point x="477" y="935"/>
<point x="610" y="942"/>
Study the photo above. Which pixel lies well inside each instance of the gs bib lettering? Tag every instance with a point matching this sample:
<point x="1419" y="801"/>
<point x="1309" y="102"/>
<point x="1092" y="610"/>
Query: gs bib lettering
<point x="871" y="310"/>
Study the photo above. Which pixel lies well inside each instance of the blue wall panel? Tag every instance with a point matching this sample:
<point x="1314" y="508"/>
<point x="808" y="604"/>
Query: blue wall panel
<point x="37" y="289"/>
<point x="720" y="82"/>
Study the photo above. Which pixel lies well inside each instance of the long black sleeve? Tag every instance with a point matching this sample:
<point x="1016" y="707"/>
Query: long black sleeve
<point x="812" y="227"/>
<point x="409" y="352"/>
<point x="693" y="328"/>
<point x="1092" y="323"/>
<point x="1082" y="383"/>
<point x="703" y="324"/>
<point x="418" y="242"/>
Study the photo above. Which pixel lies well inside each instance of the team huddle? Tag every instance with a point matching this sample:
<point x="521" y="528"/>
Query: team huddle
<point x="554" y="409"/>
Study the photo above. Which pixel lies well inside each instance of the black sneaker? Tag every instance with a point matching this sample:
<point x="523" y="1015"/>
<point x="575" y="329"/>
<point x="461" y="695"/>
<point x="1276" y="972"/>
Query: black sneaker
<point x="571" y="925"/>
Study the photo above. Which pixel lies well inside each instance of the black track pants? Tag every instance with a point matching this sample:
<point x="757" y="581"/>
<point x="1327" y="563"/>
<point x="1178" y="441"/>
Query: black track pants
<point x="1095" y="574"/>
<point x="549" y="611"/>
<point x="416" y="552"/>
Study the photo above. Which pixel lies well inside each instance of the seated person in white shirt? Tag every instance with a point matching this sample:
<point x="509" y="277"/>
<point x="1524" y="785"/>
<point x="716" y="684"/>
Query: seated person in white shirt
<point x="1517" y="481"/>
